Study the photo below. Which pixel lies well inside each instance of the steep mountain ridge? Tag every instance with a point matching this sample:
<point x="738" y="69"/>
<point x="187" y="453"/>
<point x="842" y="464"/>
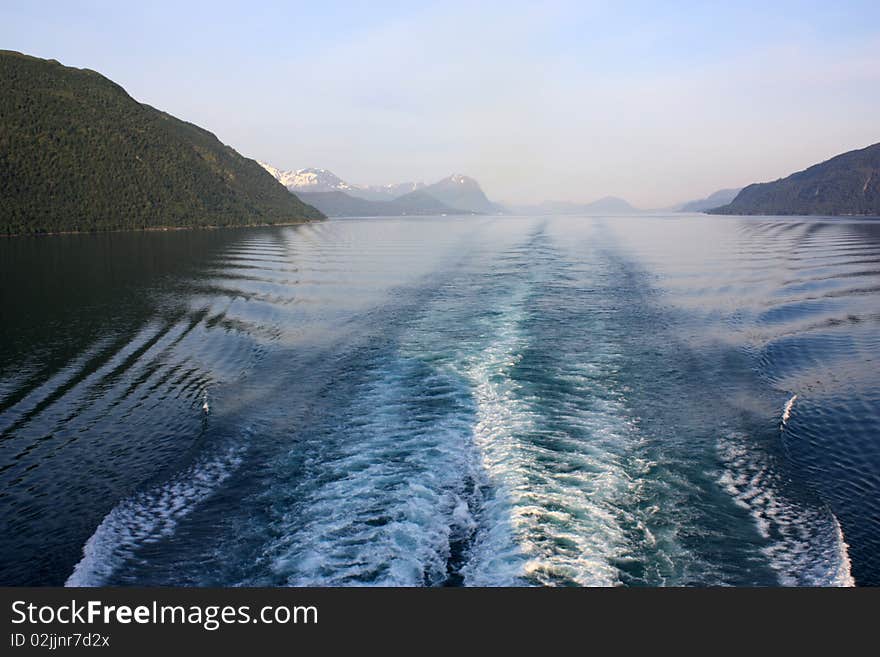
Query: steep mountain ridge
<point x="847" y="184"/>
<point x="77" y="153"/>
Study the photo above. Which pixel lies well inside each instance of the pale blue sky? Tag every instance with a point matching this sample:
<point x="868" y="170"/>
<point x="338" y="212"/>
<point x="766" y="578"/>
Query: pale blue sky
<point x="655" y="102"/>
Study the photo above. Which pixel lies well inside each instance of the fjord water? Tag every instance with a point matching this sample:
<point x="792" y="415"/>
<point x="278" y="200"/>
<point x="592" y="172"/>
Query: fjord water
<point x="444" y="401"/>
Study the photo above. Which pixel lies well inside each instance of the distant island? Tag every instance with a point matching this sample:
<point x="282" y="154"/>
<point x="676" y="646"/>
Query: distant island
<point x="848" y="184"/>
<point x="455" y="194"/>
<point x="77" y="153"/>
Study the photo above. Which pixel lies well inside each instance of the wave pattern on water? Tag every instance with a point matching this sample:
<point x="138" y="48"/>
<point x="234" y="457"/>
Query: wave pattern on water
<point x="800" y="295"/>
<point x="148" y="517"/>
<point x="479" y="401"/>
<point x="805" y="542"/>
<point x="386" y="499"/>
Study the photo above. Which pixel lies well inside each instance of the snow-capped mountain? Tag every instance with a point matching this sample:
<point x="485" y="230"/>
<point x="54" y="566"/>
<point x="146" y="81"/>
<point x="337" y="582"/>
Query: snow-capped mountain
<point x="456" y="193"/>
<point x="309" y="180"/>
<point x="388" y="192"/>
<point x="322" y="180"/>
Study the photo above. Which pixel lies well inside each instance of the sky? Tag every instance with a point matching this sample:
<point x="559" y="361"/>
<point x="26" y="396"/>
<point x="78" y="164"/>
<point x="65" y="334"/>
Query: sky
<point x="657" y="103"/>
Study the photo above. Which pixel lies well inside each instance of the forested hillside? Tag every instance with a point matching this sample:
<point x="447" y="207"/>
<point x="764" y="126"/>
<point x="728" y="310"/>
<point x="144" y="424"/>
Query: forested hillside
<point x="77" y="153"/>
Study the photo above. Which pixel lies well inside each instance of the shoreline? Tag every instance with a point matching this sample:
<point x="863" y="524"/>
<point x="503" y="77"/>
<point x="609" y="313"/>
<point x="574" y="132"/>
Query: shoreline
<point x="156" y="229"/>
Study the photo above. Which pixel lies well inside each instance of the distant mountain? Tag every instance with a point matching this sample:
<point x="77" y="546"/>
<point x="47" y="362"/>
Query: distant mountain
<point x="77" y="153"/>
<point x="461" y="192"/>
<point x="341" y="204"/>
<point x="322" y="180"/>
<point x="386" y="192"/>
<point x="309" y="180"/>
<point x="848" y="184"/>
<point x="456" y="194"/>
<point x="714" y="200"/>
<point x="609" y="205"/>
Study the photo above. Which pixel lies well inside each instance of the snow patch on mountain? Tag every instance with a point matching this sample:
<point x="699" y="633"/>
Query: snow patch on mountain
<point x="456" y="191"/>
<point x="309" y="180"/>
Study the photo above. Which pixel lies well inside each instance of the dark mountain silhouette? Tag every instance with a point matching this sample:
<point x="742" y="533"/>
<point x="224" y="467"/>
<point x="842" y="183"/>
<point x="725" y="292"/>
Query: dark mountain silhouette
<point x="848" y="184"/>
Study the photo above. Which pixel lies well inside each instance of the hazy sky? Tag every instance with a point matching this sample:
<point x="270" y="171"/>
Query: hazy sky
<point x="654" y="102"/>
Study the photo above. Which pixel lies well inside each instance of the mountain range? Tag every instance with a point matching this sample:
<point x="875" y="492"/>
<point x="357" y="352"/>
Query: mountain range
<point x="848" y="184"/>
<point x="455" y="194"/>
<point x="77" y="153"/>
<point x="322" y="180"/>
<point x="608" y="205"/>
<point x="340" y="204"/>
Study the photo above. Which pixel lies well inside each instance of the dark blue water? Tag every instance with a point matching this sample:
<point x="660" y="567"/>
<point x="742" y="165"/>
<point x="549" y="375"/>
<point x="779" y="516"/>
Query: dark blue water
<point x="478" y="401"/>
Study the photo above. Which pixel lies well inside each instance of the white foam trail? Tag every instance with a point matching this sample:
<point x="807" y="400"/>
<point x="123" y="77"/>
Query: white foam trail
<point x="843" y="576"/>
<point x="387" y="493"/>
<point x="804" y="543"/>
<point x="786" y="412"/>
<point x="148" y="517"/>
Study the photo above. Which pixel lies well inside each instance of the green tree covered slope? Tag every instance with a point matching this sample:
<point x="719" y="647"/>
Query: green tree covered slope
<point x="77" y="153"/>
